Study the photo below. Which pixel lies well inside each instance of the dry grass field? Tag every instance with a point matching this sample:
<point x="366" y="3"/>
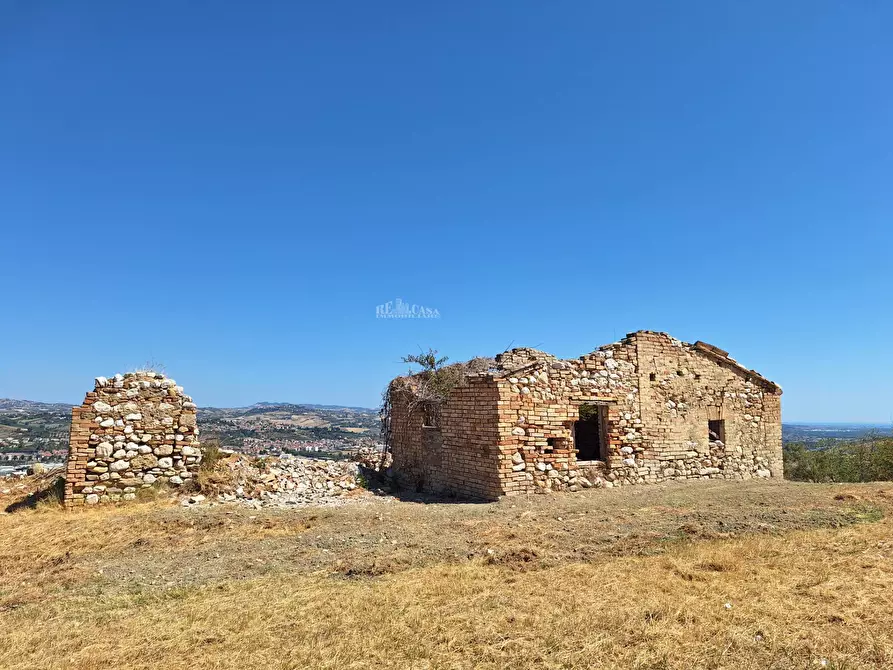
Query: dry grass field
<point x="702" y="575"/>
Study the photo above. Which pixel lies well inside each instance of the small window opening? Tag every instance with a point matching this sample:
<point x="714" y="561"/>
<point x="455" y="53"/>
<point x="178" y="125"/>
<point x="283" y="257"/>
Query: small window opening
<point x="550" y="442"/>
<point x="590" y="433"/>
<point x="429" y="417"/>
<point x="716" y="430"/>
<point x="652" y="377"/>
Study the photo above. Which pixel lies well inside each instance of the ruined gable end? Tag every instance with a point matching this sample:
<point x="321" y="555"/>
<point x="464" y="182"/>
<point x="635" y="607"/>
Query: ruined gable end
<point x="131" y="431"/>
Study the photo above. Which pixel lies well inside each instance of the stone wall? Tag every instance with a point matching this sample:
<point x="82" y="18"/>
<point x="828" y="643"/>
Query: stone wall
<point x="511" y="430"/>
<point x="682" y="387"/>
<point x="132" y="431"/>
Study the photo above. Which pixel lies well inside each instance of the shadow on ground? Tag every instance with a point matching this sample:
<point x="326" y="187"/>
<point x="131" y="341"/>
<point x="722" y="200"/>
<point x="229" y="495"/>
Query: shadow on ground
<point x="49" y="491"/>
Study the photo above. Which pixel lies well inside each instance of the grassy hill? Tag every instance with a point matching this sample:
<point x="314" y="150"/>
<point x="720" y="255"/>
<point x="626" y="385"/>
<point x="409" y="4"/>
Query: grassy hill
<point x="701" y="575"/>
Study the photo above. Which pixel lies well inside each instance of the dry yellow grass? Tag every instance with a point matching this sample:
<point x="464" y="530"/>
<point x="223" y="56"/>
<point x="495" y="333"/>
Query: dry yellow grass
<point x="797" y="597"/>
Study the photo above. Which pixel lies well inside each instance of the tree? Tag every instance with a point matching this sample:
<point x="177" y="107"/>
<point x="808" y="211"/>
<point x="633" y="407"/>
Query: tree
<point x="427" y="359"/>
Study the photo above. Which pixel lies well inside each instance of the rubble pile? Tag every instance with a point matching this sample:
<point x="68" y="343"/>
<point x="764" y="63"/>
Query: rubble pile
<point x="291" y="480"/>
<point x="373" y="458"/>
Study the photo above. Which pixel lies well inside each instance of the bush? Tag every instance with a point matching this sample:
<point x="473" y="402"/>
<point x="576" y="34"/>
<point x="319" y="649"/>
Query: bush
<point x="210" y="478"/>
<point x="210" y="453"/>
<point x="866" y="460"/>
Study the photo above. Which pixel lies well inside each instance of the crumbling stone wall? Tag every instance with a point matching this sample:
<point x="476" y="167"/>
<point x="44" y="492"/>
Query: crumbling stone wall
<point x="132" y="431"/>
<point x="540" y="403"/>
<point x="658" y="396"/>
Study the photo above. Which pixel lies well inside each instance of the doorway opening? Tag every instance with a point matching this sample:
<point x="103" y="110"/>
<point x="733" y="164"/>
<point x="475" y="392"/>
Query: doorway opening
<point x="590" y="433"/>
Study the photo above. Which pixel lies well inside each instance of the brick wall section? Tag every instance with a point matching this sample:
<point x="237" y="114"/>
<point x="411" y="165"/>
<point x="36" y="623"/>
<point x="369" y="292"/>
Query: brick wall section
<point x="470" y="427"/>
<point x="131" y="431"/>
<point x="511" y="430"/>
<point x="459" y="459"/>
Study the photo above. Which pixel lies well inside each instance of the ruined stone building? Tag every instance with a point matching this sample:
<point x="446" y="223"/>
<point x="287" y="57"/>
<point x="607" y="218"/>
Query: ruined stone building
<point x="132" y="431"/>
<point x="646" y="409"/>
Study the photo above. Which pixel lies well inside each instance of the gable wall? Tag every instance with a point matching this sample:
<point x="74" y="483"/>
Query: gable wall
<point x="690" y="388"/>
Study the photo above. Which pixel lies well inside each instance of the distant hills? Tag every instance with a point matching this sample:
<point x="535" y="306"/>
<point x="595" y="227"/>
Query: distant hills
<point x="32" y="405"/>
<point x="816" y="432"/>
<point x="10" y="403"/>
<point x="38" y="428"/>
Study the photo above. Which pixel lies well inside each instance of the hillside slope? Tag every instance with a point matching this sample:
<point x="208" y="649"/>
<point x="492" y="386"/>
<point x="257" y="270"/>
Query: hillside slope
<point x="712" y="575"/>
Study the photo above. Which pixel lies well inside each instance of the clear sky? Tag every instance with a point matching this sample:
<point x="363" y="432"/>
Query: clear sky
<point x="231" y="188"/>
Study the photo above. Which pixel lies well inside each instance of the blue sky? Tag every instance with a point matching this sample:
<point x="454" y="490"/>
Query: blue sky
<point x="231" y="189"/>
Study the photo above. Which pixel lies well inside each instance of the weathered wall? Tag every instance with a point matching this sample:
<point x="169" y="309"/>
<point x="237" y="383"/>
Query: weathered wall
<point x="540" y="398"/>
<point x="659" y="394"/>
<point x="690" y="386"/>
<point x="415" y="466"/>
<point x="131" y="431"/>
<point x="458" y="459"/>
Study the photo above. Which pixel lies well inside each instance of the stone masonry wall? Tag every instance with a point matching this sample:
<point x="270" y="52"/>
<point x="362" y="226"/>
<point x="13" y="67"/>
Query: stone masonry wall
<point x="658" y="394"/>
<point x="682" y="387"/>
<point x="131" y="431"/>
<point x="540" y="397"/>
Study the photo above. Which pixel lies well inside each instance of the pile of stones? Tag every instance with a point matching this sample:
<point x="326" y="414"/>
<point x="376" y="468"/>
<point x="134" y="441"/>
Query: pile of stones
<point x="288" y="480"/>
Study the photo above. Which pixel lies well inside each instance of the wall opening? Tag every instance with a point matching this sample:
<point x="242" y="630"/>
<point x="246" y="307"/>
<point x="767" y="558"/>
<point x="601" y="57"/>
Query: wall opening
<point x="430" y="417"/>
<point x="590" y="433"/>
<point x="716" y="430"/>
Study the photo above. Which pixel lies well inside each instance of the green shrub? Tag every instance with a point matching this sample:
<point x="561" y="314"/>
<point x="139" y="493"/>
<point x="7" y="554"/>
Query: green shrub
<point x="865" y="460"/>
<point x="210" y="454"/>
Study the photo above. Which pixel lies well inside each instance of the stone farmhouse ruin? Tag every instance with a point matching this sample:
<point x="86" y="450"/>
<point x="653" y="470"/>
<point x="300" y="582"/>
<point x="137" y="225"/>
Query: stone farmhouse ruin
<point x="649" y="408"/>
<point x="131" y="431"/>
